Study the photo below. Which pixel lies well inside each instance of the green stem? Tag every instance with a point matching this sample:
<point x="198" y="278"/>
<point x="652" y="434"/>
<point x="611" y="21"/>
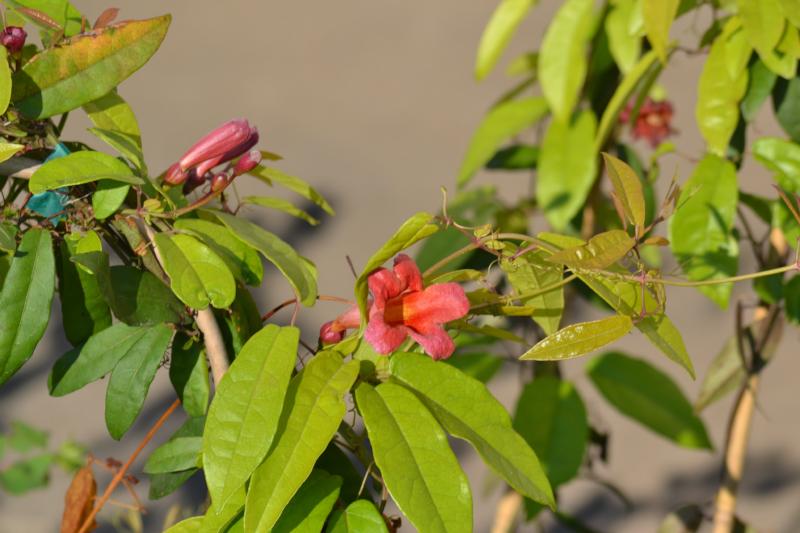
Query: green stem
<point x="718" y="281"/>
<point x="533" y="294"/>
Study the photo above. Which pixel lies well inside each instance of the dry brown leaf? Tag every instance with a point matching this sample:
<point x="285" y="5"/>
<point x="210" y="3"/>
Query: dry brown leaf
<point x="79" y="500"/>
<point x="106" y="18"/>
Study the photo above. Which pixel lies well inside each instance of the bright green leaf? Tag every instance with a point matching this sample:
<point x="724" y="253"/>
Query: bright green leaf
<point x="86" y="67"/>
<point x="190" y="525"/>
<point x="313" y="410"/>
<point x="420" y="470"/>
<point x="243" y="417"/>
<point x="60" y="11"/>
<point x="579" y="339"/>
<point x="602" y="250"/>
<point x="78" y="168"/>
<point x="567" y="168"/>
<point x="294" y="184"/>
<point x="361" y="516"/>
<point x="309" y="508"/>
<point x="108" y="197"/>
<point x="628" y="188"/>
<point x="25" y="300"/>
<point x="625" y="45"/>
<point x="500" y="124"/>
<point x="762" y="22"/>
<point x="466" y="409"/>
<point x="501" y="27"/>
<point x="279" y="204"/>
<point x="163" y="484"/>
<point x="175" y="455"/>
<point x="783" y="158"/>
<point x="562" y="57"/>
<point x="530" y="273"/>
<point x="648" y="396"/>
<point x="5" y="81"/>
<point x="8" y="237"/>
<point x="658" y="16"/>
<point x="124" y="143"/>
<point x="9" y="149"/>
<point x="111" y="113"/>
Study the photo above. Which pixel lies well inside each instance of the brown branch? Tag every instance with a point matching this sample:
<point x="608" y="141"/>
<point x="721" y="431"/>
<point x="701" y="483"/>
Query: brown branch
<point x="117" y="479"/>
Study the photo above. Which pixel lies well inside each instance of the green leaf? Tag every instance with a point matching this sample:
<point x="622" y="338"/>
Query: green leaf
<point x="111" y="113"/>
<point x="61" y="11"/>
<point x="786" y="104"/>
<point x="361" y="516"/>
<point x="8" y="237"/>
<point x="725" y="374"/>
<point x="658" y="16"/>
<point x="309" y="508"/>
<point x="567" y="168"/>
<point x="579" y="339"/>
<point x="294" y="184"/>
<point x="624" y="44"/>
<point x="243" y="417"/>
<point x="190" y="525"/>
<point x="85" y="364"/>
<point x="480" y="366"/>
<point x="625" y="297"/>
<point x="648" y="396"/>
<point x="628" y="188"/>
<point x="78" y="168"/>
<point x="5" y="81"/>
<point x="240" y="321"/>
<point x="188" y="372"/>
<point x="175" y="455"/>
<point x="602" y="250"/>
<point x="467" y="410"/>
<point x="501" y="123"/>
<point x="723" y="83"/>
<point x="124" y="143"/>
<point x="762" y="23"/>
<point x="416" y="228"/>
<point x="8" y="149"/>
<point x="83" y="307"/>
<point x="417" y="465"/>
<point x="551" y="417"/>
<point x="300" y="272"/>
<point x="23" y="438"/>
<point x="759" y="87"/>
<point x="163" y="484"/>
<point x="313" y="409"/>
<point x="131" y="378"/>
<point x="197" y="275"/>
<point x="531" y="272"/>
<point x="86" y="67"/>
<point x="783" y="158"/>
<point x="26" y="474"/>
<point x="243" y="261"/>
<point x="336" y="462"/>
<point x="139" y="298"/>
<point x="700" y="231"/>
<point x="515" y="157"/>
<point x="501" y="27"/>
<point x="791" y="10"/>
<point x="562" y="57"/>
<point x="25" y="300"/>
<point x="280" y="204"/>
<point x="791" y="293"/>
<point x="108" y="197"/>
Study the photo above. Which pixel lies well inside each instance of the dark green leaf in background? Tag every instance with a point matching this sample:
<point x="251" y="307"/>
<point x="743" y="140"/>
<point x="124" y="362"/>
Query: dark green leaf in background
<point x="27" y="474"/>
<point x="725" y="374"/>
<point x="188" y="372"/>
<point x="760" y="83"/>
<point x="786" y="104"/>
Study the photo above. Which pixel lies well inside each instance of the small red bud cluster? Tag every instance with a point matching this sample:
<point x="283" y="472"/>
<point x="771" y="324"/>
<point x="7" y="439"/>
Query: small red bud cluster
<point x="13" y="38"/>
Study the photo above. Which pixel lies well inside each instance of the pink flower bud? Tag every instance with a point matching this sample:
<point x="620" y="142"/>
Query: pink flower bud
<point x="13" y="38"/>
<point x="194" y="181"/>
<point x="229" y="140"/>
<point x="248" y="162"/>
<point x="328" y="335"/>
<point x="175" y="175"/>
<point x="219" y="182"/>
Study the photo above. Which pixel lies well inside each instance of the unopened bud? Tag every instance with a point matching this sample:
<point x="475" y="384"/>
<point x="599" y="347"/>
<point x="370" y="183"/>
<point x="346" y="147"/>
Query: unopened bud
<point x="175" y="175"/>
<point x="219" y="182"/>
<point x="247" y="162"/>
<point x="13" y="38"/>
<point x="193" y="181"/>
<point x="327" y="334"/>
<point x="230" y="140"/>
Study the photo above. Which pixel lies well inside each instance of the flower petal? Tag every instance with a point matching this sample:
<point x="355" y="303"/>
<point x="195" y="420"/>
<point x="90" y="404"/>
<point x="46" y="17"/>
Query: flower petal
<point x="384" y="338"/>
<point x="436" y="342"/>
<point x="383" y="284"/>
<point x="437" y="304"/>
<point x="408" y="273"/>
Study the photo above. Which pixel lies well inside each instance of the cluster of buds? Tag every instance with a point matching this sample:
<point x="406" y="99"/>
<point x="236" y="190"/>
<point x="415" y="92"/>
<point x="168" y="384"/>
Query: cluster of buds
<point x="13" y="38"/>
<point x="652" y="123"/>
<point x="233" y="139"/>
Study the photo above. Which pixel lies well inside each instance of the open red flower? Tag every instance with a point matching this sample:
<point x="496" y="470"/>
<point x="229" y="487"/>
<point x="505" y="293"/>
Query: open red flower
<point x="401" y="307"/>
<point x="653" y="122"/>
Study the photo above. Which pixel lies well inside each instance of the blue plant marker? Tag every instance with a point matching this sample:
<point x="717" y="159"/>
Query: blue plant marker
<point x="48" y="203"/>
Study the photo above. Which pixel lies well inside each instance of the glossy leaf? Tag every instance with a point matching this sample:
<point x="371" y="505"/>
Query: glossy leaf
<point x="101" y="353"/>
<point x="762" y="23"/>
<point x="188" y="372"/>
<point x="562" y="56"/>
<point x="416" y="228"/>
<point x="25" y="300"/>
<point x="530" y="273"/>
<point x="309" y="508"/>
<point x="7" y="150"/>
<point x="501" y="123"/>
<point x="628" y="188"/>
<point x="124" y="143"/>
<point x="467" y="410"/>
<point x="722" y="85"/>
<point x="501" y="27"/>
<point x="480" y="366"/>
<point x="78" y="168"/>
<point x="567" y="168"/>
<point x="420" y="470"/>
<point x="300" y="272"/>
<point x="163" y="484"/>
<point x="111" y="113"/>
<point x="175" y="455"/>
<point x="5" y="81"/>
<point x="243" y="261"/>
<point x="579" y="339"/>
<point x="761" y="80"/>
<point x="783" y="158"/>
<point x="725" y="374"/>
<point x="551" y="417"/>
<point x="83" y="307"/>
<point x="602" y="250"/>
<point x="648" y="396"/>
<point x="700" y="230"/>
<point x="197" y="275"/>
<point x="361" y="516"/>
<point x="240" y="321"/>
<point x="658" y="16"/>
<point x="313" y="410"/>
<point x="294" y="184"/>
<point x="86" y="67"/>
<point x="279" y="204"/>
<point x="131" y="379"/>
<point x="108" y="198"/>
<point x="243" y="417"/>
<point x="624" y="44"/>
<point x="139" y="298"/>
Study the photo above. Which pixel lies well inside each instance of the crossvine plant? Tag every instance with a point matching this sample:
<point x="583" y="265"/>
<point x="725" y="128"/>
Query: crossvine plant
<point x="319" y="431"/>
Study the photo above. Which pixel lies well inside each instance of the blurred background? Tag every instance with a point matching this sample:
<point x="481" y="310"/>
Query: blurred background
<point x="374" y="104"/>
